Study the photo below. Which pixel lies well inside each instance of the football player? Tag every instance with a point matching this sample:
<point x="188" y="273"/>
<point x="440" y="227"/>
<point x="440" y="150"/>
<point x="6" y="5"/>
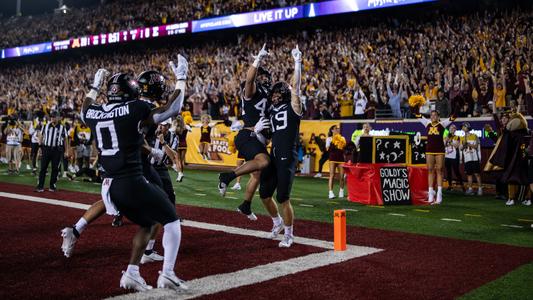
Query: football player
<point x="285" y="115"/>
<point x="250" y="141"/>
<point x="125" y="189"/>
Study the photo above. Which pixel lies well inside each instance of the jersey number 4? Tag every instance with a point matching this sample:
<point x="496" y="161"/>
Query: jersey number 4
<point x="107" y="129"/>
<point x="260" y="106"/>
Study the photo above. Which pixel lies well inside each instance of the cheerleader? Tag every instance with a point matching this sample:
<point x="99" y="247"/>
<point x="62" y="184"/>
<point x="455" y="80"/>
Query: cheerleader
<point x="205" y="137"/>
<point x="453" y="157"/>
<point x="236" y="126"/>
<point x="435" y="151"/>
<point x="181" y="130"/>
<point x="472" y="158"/>
<point x="335" y="144"/>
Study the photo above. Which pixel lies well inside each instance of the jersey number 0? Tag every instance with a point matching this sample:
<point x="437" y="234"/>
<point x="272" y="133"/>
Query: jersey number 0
<point x="110" y="127"/>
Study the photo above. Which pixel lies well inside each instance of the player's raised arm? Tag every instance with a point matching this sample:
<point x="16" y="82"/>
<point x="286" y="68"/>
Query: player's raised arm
<point x="175" y="101"/>
<point x="90" y="98"/>
<point x="249" y="86"/>
<point x="296" y="101"/>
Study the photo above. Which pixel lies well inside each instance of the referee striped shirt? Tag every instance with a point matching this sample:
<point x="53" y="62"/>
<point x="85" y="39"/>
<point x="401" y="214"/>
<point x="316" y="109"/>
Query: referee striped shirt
<point x="172" y="141"/>
<point x="53" y="135"/>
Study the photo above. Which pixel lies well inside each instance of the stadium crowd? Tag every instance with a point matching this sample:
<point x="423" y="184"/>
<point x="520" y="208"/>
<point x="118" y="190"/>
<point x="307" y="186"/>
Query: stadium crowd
<point x="348" y="73"/>
<point x="114" y="16"/>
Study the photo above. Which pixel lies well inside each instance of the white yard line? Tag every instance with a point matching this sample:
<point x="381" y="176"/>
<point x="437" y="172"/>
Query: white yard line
<point x="511" y="226"/>
<point x="395" y="214"/>
<point x="223" y="282"/>
<point x="451" y="220"/>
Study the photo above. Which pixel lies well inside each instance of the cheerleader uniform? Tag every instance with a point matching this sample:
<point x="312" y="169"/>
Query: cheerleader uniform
<point x="335" y="153"/>
<point x="435" y="136"/>
<point x="205" y="137"/>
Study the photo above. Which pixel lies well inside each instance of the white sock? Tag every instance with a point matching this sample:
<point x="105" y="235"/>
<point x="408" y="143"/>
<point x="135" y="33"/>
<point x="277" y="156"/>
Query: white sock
<point x="150" y="245"/>
<point x="133" y="270"/>
<point x="171" y="244"/>
<point x="80" y="225"/>
<point x="288" y="230"/>
<point x="277" y="220"/>
<point x="431" y="190"/>
<point x="439" y="189"/>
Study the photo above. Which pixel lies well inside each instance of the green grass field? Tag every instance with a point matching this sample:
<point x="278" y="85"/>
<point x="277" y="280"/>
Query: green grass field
<point x="480" y="218"/>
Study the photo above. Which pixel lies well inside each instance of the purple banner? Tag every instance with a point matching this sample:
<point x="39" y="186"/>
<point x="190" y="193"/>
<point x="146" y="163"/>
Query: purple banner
<point x="247" y="19"/>
<point x="346" y="6"/>
<point x="350" y="130"/>
<point x="27" y="50"/>
<point x="122" y="36"/>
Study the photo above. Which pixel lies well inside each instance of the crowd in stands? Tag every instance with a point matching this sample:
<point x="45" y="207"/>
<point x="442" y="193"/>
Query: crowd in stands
<point x="118" y="15"/>
<point x="472" y="65"/>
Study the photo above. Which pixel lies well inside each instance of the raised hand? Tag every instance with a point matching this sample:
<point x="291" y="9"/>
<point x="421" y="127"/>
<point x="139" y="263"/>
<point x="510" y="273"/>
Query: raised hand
<point x="99" y="78"/>
<point x="181" y="70"/>
<point x="260" y="56"/>
<point x="296" y="54"/>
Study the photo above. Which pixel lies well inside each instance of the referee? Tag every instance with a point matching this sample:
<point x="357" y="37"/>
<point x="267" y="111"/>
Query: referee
<point x="53" y="138"/>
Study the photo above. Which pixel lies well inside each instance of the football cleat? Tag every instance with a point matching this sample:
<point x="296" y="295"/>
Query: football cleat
<point x="180" y="177"/>
<point x="171" y="281"/>
<point x="117" y="221"/>
<point x="223" y="183"/>
<point x="318" y="175"/>
<point x="331" y="195"/>
<point x="245" y="209"/>
<point x="509" y="202"/>
<point x="276" y="229"/>
<point x="38" y="190"/>
<point x="69" y="240"/>
<point x="286" y="242"/>
<point x="526" y="202"/>
<point x="154" y="256"/>
<point x="236" y="186"/>
<point x="133" y="282"/>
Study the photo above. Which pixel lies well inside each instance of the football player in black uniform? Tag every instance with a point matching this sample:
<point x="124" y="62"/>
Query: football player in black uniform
<point x="285" y="116"/>
<point x="152" y="86"/>
<point x="250" y="141"/>
<point x="125" y="189"/>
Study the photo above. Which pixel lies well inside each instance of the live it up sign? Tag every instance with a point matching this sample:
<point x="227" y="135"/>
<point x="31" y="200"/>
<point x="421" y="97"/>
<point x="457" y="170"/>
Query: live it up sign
<point x="395" y="185"/>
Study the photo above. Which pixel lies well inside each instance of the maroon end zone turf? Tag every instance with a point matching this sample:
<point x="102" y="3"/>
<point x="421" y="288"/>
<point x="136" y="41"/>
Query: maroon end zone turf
<point x="412" y="266"/>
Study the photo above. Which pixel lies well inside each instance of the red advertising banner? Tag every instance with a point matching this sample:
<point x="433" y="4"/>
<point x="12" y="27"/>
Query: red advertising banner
<point x="387" y="184"/>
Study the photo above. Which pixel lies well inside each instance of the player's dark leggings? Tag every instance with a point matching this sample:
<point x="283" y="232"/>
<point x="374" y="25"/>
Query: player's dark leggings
<point x="322" y="161"/>
<point x="453" y="164"/>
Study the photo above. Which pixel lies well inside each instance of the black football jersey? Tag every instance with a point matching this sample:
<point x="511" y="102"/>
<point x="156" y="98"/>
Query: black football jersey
<point x="255" y="108"/>
<point x="285" y="128"/>
<point x="118" y="136"/>
<point x="149" y="135"/>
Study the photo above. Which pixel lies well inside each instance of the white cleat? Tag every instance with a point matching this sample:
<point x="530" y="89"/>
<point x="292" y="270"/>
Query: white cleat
<point x="318" y="175"/>
<point x="276" y="229"/>
<point x="180" y="177"/>
<point x="171" y="281"/>
<point x="133" y="282"/>
<point x="286" y="242"/>
<point x="236" y="187"/>
<point x="331" y="195"/>
<point x="341" y="193"/>
<point x="509" y="202"/>
<point x="69" y="240"/>
<point x="526" y="202"/>
<point x="151" y="258"/>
